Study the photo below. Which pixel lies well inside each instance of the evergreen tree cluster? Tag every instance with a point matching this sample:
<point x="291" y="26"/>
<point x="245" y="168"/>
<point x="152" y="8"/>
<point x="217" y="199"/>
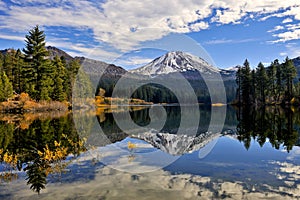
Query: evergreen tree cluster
<point x="33" y="72"/>
<point x="275" y="84"/>
<point x="148" y="92"/>
<point x="155" y="93"/>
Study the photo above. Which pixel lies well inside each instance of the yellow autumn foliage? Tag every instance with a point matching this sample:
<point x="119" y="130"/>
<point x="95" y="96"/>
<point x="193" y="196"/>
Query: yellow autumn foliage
<point x="24" y="97"/>
<point x="53" y="158"/>
<point x="9" y="158"/>
<point x="57" y="154"/>
<point x="131" y="145"/>
<point x="8" y="176"/>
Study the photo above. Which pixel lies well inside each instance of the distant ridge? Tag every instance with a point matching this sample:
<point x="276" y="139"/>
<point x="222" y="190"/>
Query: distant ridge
<point x="90" y="66"/>
<point x="296" y="61"/>
<point x="54" y="51"/>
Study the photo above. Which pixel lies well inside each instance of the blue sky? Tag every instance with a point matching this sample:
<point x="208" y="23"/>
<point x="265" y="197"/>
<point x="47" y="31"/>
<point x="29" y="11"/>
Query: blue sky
<point x="133" y="32"/>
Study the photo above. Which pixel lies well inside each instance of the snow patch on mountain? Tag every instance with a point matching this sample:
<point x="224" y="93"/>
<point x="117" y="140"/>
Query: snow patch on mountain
<point x="234" y="68"/>
<point x="176" y="61"/>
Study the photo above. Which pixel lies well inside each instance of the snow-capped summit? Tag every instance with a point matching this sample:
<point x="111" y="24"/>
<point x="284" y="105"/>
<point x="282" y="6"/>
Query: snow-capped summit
<point x="176" y="61"/>
<point x="234" y="68"/>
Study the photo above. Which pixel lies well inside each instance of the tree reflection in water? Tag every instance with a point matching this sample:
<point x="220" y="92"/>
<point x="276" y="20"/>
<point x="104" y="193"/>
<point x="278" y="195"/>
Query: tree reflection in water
<point x="40" y="145"/>
<point x="37" y="146"/>
<point x="280" y="126"/>
<point x="277" y="125"/>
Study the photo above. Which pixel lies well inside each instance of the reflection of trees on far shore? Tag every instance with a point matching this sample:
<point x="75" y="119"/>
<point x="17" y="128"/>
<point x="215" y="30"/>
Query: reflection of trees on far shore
<point x="280" y="126"/>
<point x="273" y="123"/>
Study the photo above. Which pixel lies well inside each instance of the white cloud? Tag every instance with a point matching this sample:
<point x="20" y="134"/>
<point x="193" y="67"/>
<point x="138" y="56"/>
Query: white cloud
<point x="2" y="5"/>
<point x="288" y="36"/>
<point x="292" y="50"/>
<point x="292" y="11"/>
<point x="287" y="20"/>
<point x="276" y="28"/>
<point x="293" y="26"/>
<point x="292" y="31"/>
<point x="229" y="41"/>
<point x="222" y="41"/>
<point x="228" y="16"/>
<point x="133" y="61"/>
<point x="283" y="54"/>
<point x="199" y="26"/>
<point x="11" y="37"/>
<point x="78" y="49"/>
<point x="126" y="24"/>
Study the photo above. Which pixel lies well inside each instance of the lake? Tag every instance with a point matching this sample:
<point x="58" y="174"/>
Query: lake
<point x="154" y="152"/>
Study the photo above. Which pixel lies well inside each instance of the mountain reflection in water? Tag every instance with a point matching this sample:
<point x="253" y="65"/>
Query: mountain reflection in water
<point x="254" y="156"/>
<point x="89" y="178"/>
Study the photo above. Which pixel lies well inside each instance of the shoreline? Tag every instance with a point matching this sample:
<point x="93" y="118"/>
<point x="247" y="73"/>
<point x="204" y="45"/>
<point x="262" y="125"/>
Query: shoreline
<point x="21" y="107"/>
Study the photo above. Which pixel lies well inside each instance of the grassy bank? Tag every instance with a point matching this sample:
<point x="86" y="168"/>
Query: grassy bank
<point x="24" y="104"/>
<point x="108" y="101"/>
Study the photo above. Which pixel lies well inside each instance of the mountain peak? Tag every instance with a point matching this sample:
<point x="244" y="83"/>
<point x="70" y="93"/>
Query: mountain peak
<point x="176" y="61"/>
<point x="234" y="68"/>
<point x="54" y="51"/>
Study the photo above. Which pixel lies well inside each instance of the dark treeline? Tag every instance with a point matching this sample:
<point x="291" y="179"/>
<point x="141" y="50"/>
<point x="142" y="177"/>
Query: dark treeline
<point x="155" y="93"/>
<point x="158" y="93"/>
<point x="148" y="92"/>
<point x="32" y="71"/>
<point x="275" y="84"/>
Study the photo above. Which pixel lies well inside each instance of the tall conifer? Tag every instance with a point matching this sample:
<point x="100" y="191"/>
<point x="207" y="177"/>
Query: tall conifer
<point x="37" y="70"/>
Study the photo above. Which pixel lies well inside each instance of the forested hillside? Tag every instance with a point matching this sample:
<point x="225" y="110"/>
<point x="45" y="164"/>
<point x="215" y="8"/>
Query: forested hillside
<point x="37" y="70"/>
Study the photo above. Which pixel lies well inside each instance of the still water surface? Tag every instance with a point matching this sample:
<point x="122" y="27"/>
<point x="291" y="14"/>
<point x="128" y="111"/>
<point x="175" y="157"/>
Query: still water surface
<point x="255" y="155"/>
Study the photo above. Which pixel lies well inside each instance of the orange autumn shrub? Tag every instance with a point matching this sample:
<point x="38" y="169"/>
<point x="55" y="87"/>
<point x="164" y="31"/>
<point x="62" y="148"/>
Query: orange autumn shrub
<point x="24" y="125"/>
<point x="30" y="105"/>
<point x="24" y="97"/>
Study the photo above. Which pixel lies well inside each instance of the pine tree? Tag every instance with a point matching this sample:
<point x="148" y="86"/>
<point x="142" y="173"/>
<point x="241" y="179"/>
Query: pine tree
<point x="271" y="72"/>
<point x="253" y="86"/>
<point x="289" y="75"/>
<point x="239" y="84"/>
<point x="279" y="81"/>
<point x="36" y="175"/>
<point x="261" y="82"/>
<point x="2" y="97"/>
<point x="72" y="70"/>
<point x="9" y="63"/>
<point x="83" y="87"/>
<point x="246" y="83"/>
<point x="18" y="81"/>
<point x="59" y="93"/>
<point x="6" y="90"/>
<point x="1" y="60"/>
<point x="12" y="64"/>
<point x="37" y="70"/>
